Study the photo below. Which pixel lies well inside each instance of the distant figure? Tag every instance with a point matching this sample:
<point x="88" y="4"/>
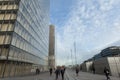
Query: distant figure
<point x="57" y="72"/>
<point x="51" y="70"/>
<point x="107" y="73"/>
<point x="77" y="70"/>
<point x="64" y="69"/>
<point x="37" y="71"/>
<point x="93" y="70"/>
<point x="59" y="69"/>
<point x="62" y="72"/>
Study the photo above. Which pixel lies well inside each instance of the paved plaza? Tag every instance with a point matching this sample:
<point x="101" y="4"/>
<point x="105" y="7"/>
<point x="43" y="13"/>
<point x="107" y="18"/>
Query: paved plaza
<point x="87" y="76"/>
<point x="42" y="76"/>
<point x="69" y="75"/>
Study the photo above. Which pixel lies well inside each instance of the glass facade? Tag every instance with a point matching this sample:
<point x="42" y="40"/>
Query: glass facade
<point x="24" y="36"/>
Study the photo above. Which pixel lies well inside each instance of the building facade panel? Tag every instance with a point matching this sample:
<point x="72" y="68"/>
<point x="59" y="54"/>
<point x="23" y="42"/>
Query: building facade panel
<point x="24" y="36"/>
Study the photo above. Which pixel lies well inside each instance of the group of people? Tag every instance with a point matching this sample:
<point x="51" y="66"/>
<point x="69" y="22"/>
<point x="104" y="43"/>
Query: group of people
<point x="60" y="70"/>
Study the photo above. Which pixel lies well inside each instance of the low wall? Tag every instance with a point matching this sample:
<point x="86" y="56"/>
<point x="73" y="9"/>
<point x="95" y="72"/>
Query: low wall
<point x="87" y="66"/>
<point x="112" y="63"/>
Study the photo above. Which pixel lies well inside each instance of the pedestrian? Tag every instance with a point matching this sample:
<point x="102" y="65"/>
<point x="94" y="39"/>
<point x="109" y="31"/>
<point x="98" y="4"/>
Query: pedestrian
<point x="57" y="72"/>
<point x="107" y="73"/>
<point x="93" y="70"/>
<point x="51" y="70"/>
<point x="77" y="70"/>
<point x="64" y="69"/>
<point x="62" y="72"/>
<point x="59" y="69"/>
<point x="37" y="71"/>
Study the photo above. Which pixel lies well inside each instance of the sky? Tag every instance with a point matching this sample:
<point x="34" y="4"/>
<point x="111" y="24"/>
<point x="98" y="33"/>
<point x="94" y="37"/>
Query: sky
<point x="84" y="28"/>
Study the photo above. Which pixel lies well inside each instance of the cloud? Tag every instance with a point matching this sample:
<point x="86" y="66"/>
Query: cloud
<point x="92" y="25"/>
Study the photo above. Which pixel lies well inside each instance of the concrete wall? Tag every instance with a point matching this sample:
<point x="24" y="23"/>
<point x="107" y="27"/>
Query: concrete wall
<point x="100" y="64"/>
<point x="14" y="68"/>
<point x="89" y="66"/>
<point x="86" y="66"/>
<point x="83" y="67"/>
<point x="114" y="63"/>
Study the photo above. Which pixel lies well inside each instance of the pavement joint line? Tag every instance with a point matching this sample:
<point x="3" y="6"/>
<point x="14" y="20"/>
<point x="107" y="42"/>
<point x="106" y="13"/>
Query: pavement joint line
<point x="70" y="77"/>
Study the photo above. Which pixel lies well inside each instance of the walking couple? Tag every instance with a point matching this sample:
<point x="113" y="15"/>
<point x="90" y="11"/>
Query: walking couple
<point x="60" y="70"/>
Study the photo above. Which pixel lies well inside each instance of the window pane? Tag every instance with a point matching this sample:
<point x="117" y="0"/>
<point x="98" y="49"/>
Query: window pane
<point x="7" y="16"/>
<point x="2" y="39"/>
<point x="7" y="39"/>
<point x="10" y="6"/>
<point x="13" y="16"/>
<point x="15" y="6"/>
<point x="10" y="28"/>
<point x="4" y="27"/>
<point x="1" y="16"/>
<point x="11" y="52"/>
<point x="16" y="54"/>
<point x="4" y="52"/>
<point x="4" y="7"/>
<point x="14" y="39"/>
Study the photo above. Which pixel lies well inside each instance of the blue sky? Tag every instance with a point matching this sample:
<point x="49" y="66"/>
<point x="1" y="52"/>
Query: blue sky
<point x="92" y="24"/>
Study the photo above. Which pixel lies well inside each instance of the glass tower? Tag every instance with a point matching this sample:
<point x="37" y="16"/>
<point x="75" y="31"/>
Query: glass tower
<point x="24" y="36"/>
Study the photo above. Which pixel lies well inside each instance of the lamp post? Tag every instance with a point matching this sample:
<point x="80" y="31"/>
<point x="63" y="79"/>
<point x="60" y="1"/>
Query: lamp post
<point x="75" y="53"/>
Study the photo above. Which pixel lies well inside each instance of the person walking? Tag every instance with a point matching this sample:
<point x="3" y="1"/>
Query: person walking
<point x="107" y="73"/>
<point x="59" y="69"/>
<point x="77" y="70"/>
<point x="51" y="70"/>
<point x="62" y="72"/>
<point x="93" y="70"/>
<point x="37" y="71"/>
<point x="57" y="72"/>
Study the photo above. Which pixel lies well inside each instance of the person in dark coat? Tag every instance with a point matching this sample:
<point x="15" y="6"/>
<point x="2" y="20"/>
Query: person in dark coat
<point x="59" y="69"/>
<point x="62" y="72"/>
<point x="51" y="70"/>
<point x="77" y="70"/>
<point x="64" y="69"/>
<point x="93" y="70"/>
<point x="37" y="71"/>
<point x="57" y="72"/>
<point x="107" y="73"/>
